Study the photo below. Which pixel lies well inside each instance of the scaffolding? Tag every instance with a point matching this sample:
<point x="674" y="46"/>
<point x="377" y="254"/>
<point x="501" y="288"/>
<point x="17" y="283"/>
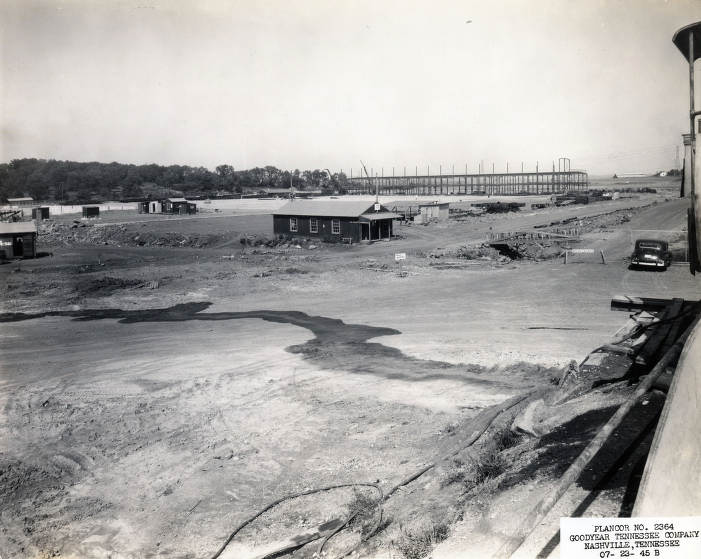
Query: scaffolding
<point x="543" y="182"/>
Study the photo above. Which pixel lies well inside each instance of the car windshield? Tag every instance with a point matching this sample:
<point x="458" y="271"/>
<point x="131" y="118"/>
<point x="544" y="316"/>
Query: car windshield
<point x="650" y="246"/>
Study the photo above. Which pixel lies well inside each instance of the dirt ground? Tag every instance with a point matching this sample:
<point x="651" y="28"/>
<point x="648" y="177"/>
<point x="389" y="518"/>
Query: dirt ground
<point x="154" y="397"/>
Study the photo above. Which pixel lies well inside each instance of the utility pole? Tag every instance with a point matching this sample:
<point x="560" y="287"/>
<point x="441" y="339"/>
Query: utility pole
<point x="676" y="159"/>
<point x="377" y="193"/>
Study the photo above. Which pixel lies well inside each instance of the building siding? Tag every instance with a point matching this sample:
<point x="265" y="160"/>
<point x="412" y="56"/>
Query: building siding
<point x="28" y="245"/>
<point x="350" y="228"/>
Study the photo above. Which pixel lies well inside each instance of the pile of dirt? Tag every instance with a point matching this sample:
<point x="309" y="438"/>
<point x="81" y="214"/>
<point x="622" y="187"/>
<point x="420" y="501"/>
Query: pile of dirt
<point x="107" y="285"/>
<point x="607" y="220"/>
<point x="81" y="233"/>
<point x="281" y="241"/>
<point x="481" y="252"/>
<point x="528" y="249"/>
<point x="470" y="252"/>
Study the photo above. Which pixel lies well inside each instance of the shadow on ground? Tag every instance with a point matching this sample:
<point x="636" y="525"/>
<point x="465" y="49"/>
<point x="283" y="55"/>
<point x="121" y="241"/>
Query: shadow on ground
<point x="335" y="344"/>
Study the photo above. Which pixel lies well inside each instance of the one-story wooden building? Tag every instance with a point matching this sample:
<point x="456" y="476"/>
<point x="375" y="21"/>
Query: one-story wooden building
<point x="179" y="206"/>
<point x="91" y="211"/>
<point x="433" y="211"/>
<point x="18" y="239"/>
<point x="42" y="212"/>
<point x="334" y="221"/>
<point x="168" y="206"/>
<point x="150" y="207"/>
<point x="25" y="202"/>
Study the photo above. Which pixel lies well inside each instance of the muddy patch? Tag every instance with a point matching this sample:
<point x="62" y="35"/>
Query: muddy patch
<point x="335" y="345"/>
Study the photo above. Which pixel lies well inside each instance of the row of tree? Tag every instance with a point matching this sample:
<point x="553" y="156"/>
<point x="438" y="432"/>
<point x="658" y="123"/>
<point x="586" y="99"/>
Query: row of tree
<point x="65" y="180"/>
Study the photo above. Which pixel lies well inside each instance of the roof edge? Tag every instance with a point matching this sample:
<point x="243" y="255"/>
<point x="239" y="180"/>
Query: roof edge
<point x="683" y="45"/>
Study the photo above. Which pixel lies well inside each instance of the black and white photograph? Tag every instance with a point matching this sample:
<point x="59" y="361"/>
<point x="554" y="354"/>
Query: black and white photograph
<point x="364" y="279"/>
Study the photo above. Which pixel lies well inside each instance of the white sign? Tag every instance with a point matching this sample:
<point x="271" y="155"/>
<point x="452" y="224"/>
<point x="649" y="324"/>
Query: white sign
<point x="603" y="538"/>
<point x="400" y="256"/>
<point x="581" y="251"/>
<point x="377" y="207"/>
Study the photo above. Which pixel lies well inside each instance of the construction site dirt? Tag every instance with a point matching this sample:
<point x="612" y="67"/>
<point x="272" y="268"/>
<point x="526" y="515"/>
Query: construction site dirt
<point x="162" y="385"/>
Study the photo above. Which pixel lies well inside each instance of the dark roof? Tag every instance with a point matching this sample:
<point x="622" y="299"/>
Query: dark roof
<point x="681" y="40"/>
<point x="18" y="227"/>
<point x="651" y="242"/>
<point x="324" y="208"/>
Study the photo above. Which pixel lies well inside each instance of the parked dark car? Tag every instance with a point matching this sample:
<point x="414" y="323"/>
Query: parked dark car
<point x="651" y="253"/>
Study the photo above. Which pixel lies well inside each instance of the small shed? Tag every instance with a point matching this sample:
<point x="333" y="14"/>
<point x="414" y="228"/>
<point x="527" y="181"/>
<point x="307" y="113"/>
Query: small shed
<point x="21" y="202"/>
<point x="42" y="212"/>
<point x="91" y="211"/>
<point x="150" y="207"/>
<point x="18" y="239"/>
<point x="434" y="211"/>
<point x="178" y="206"/>
<point x="335" y="221"/>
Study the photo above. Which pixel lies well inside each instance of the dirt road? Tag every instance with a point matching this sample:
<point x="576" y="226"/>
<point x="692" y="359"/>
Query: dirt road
<point x="133" y="432"/>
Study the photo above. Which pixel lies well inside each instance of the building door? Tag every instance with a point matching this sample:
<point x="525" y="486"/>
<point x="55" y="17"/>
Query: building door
<point x="17" y="246"/>
<point x="384" y="229"/>
<point x="364" y="231"/>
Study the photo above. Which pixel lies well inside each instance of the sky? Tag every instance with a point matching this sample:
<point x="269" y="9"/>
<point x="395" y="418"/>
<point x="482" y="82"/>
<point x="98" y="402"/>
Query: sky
<point x="436" y="84"/>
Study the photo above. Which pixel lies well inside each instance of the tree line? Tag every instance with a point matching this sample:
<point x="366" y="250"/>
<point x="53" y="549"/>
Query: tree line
<point x="50" y="179"/>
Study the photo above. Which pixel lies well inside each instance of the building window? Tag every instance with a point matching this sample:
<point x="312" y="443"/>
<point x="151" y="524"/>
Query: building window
<point x="335" y="226"/>
<point x="293" y="224"/>
<point x="313" y="225"/>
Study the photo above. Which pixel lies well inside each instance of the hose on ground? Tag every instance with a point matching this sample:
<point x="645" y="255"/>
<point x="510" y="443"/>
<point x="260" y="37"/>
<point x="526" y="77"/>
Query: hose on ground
<point x="377" y="505"/>
<point x="475" y="435"/>
<point x="275" y="503"/>
<point x="491" y="418"/>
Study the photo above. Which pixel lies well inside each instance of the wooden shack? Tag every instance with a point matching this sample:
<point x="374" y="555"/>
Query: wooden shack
<point x="433" y="211"/>
<point x="25" y="202"/>
<point x="334" y="221"/>
<point x="179" y="206"/>
<point x="18" y="239"/>
<point x="150" y="207"/>
<point x="42" y="212"/>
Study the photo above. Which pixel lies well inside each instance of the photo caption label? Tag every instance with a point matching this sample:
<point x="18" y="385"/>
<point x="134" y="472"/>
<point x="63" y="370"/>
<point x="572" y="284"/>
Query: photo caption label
<point x="605" y="538"/>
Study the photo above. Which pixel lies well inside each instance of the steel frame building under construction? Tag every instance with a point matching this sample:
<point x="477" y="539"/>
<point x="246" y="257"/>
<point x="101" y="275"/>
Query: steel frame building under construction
<point x="542" y="182"/>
